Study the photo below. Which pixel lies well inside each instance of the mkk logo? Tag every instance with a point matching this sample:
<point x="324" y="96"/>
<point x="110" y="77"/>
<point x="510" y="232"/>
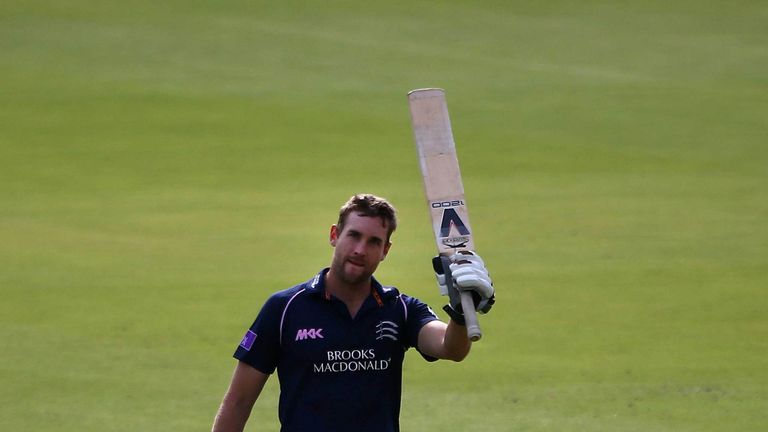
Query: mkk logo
<point x="304" y="334"/>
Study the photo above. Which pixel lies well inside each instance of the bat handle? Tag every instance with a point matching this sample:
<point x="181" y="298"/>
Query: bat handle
<point x="470" y="317"/>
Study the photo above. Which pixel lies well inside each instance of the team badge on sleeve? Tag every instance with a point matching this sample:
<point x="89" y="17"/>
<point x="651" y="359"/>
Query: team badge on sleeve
<point x="248" y="340"/>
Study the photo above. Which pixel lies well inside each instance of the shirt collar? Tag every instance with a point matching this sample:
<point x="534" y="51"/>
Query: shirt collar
<point x="316" y="285"/>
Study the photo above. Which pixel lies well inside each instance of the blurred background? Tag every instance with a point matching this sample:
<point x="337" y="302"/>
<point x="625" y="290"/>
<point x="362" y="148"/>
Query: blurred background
<point x="165" y="167"/>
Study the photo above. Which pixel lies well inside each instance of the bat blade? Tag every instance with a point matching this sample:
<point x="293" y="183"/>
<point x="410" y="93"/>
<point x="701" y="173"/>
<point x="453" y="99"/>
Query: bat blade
<point x="443" y="187"/>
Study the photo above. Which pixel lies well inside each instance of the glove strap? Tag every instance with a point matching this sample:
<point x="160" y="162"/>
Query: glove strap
<point x="456" y="317"/>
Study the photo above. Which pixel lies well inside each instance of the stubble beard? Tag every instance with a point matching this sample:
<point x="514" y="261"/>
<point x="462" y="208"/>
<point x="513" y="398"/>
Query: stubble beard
<point x="348" y="278"/>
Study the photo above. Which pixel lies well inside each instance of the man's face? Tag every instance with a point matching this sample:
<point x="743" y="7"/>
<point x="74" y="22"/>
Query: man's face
<point x="360" y="247"/>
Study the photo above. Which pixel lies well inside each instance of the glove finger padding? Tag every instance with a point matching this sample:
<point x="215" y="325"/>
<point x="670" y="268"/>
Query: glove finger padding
<point x="468" y="256"/>
<point x="470" y="278"/>
<point x="441" y="284"/>
<point x="464" y="271"/>
<point x="469" y="274"/>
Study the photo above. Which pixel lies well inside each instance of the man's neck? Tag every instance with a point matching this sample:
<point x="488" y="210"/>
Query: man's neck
<point x="352" y="295"/>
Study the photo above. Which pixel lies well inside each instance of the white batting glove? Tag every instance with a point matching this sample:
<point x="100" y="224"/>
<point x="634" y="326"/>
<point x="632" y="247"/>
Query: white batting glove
<point x="441" y="283"/>
<point x="469" y="274"/>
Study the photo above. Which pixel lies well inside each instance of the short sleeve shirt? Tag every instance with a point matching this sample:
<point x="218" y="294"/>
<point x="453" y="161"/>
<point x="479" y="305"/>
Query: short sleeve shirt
<point x="337" y="373"/>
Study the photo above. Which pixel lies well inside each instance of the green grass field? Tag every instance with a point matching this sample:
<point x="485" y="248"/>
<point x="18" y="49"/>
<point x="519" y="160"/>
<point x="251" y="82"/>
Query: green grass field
<point x="165" y="166"/>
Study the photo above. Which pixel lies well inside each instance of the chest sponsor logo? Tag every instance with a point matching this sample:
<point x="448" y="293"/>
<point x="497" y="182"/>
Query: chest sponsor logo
<point x="304" y="334"/>
<point x="386" y="330"/>
<point x="358" y="360"/>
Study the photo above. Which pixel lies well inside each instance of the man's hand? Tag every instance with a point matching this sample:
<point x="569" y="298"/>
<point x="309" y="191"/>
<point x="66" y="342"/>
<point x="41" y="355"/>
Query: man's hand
<point x="464" y="271"/>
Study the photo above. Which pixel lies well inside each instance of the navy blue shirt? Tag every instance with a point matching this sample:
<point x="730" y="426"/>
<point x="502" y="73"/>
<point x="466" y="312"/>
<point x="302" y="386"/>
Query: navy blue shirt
<point x="337" y="373"/>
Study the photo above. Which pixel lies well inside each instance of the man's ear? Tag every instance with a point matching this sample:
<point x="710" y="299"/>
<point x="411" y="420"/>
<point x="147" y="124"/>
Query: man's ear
<point x="334" y="235"/>
<point x="386" y="250"/>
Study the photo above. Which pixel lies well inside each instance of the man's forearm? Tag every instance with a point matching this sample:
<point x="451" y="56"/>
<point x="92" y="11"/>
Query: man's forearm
<point x="456" y="341"/>
<point x="232" y="416"/>
<point x="243" y="391"/>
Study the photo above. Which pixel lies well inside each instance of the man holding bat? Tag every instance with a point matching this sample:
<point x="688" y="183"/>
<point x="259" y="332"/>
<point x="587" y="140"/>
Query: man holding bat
<point x="339" y="339"/>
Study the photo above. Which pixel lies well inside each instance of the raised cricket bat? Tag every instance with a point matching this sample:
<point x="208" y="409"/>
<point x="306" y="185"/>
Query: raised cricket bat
<point x="442" y="183"/>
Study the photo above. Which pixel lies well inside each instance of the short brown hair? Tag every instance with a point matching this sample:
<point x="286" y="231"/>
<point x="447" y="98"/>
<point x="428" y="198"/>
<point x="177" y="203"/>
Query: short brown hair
<point x="371" y="206"/>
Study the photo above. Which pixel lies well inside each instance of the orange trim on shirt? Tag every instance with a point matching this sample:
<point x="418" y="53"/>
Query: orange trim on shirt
<point x="377" y="297"/>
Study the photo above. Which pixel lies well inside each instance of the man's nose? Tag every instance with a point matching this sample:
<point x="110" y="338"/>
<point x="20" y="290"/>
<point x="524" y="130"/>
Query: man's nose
<point x="359" y="248"/>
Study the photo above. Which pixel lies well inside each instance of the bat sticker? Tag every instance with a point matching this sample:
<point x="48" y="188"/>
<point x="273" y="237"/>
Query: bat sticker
<point x="450" y="217"/>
